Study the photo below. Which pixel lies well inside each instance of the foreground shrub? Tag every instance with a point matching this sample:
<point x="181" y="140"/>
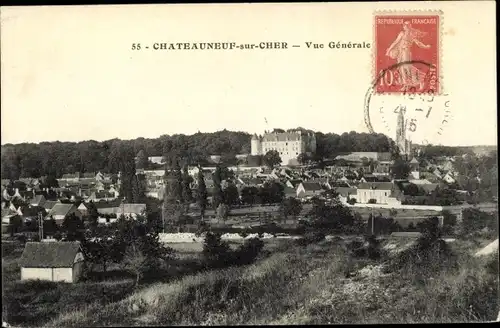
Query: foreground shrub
<point x="427" y="255"/>
<point x="370" y="248"/>
<point x="216" y="253"/>
<point x="248" y="252"/>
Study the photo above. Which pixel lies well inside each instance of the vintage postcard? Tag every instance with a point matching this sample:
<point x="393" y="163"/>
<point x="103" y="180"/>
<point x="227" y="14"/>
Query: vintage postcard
<point x="235" y="164"/>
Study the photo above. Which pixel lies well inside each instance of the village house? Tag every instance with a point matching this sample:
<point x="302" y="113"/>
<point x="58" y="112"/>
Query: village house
<point x="250" y="182"/>
<point x="293" y="183"/>
<point x="16" y="196"/>
<point x="345" y="194"/>
<point x="309" y="189"/>
<point x="38" y="200"/>
<point x="30" y="213"/>
<point x="383" y="168"/>
<point x="108" y="207"/>
<point x="83" y="208"/>
<point x="8" y="215"/>
<point x="379" y="192"/>
<point x="289" y="192"/>
<point x="48" y="204"/>
<point x="61" y="210"/>
<point x="69" y="177"/>
<point x="102" y="195"/>
<point x="131" y="210"/>
<point x="52" y="261"/>
<point x="324" y="182"/>
<point x="448" y="178"/>
<point x="157" y="192"/>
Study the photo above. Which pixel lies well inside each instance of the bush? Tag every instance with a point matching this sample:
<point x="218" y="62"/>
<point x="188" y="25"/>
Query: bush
<point x="216" y="252"/>
<point x="372" y="201"/>
<point x="248" y="252"/>
<point x="21" y="239"/>
<point x="372" y="247"/>
<point x="492" y="265"/>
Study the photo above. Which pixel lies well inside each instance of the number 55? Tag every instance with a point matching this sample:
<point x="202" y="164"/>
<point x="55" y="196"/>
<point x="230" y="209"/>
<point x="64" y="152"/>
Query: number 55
<point x="136" y="46"/>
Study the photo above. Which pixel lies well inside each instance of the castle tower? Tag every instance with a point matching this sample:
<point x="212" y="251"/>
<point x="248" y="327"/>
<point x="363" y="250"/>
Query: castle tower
<point x="256" y="146"/>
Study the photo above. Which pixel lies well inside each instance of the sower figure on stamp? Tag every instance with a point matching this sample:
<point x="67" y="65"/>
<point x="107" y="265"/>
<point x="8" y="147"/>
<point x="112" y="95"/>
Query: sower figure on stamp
<point x="400" y="50"/>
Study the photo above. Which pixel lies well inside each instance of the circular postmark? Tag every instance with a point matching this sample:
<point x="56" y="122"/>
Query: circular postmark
<point x="421" y="114"/>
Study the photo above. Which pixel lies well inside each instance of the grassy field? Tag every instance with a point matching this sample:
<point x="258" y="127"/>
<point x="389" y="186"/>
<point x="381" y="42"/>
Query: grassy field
<point x="314" y="284"/>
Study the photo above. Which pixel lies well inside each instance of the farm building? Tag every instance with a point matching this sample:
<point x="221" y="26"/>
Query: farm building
<point x="53" y="261"/>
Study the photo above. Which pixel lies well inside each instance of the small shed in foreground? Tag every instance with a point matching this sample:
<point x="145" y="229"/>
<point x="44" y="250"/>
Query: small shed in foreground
<point x="52" y="261"/>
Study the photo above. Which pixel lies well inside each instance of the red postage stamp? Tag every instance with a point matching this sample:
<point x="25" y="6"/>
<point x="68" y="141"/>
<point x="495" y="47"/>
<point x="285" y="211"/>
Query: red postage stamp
<point x="407" y="53"/>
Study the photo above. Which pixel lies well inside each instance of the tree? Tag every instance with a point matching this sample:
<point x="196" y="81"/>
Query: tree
<point x="229" y="159"/>
<point x="218" y="193"/>
<point x="144" y="253"/>
<point x="57" y="158"/>
<point x="250" y="195"/>
<point x="50" y="227"/>
<point x="51" y="181"/>
<point x="72" y="226"/>
<point x="135" y="260"/>
<point x="291" y="206"/>
<point x="334" y="217"/>
<point x="103" y="246"/>
<point x="138" y="189"/>
<point x="173" y="207"/>
<point x="201" y="194"/>
<point x="222" y="211"/>
<point x="93" y="214"/>
<point x="271" y="193"/>
<point x="400" y="169"/>
<point x="187" y="193"/>
<point x="272" y="158"/>
<point x="303" y="158"/>
<point x="231" y="194"/>
<point x="142" y="160"/>
<point x="16" y="223"/>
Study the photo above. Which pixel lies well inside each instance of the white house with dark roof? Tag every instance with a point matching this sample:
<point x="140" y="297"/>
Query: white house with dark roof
<point x="381" y="192"/>
<point x="309" y="189"/>
<point x="52" y="261"/>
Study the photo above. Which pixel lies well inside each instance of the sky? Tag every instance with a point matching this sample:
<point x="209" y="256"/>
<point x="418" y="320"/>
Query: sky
<point x="70" y="74"/>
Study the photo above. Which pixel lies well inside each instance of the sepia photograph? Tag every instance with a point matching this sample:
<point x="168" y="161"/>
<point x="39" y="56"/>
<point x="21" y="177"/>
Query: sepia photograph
<point x="249" y="164"/>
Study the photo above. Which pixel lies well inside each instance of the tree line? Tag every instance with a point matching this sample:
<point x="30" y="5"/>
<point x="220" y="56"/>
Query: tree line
<point x="57" y="158"/>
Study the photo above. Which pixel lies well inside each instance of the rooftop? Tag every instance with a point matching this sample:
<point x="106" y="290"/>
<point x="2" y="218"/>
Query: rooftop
<point x="49" y="254"/>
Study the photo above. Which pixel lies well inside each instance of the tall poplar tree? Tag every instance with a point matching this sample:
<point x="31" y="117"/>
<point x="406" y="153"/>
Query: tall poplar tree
<point x="201" y="194"/>
<point x="218" y="193"/>
<point x="173" y="200"/>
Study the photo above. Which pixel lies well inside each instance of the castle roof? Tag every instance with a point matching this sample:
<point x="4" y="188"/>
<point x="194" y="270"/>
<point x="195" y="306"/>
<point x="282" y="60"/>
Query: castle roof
<point x="286" y="136"/>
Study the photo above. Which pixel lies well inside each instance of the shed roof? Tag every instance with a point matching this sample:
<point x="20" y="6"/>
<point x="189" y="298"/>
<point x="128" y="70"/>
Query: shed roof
<point x="49" y="254"/>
